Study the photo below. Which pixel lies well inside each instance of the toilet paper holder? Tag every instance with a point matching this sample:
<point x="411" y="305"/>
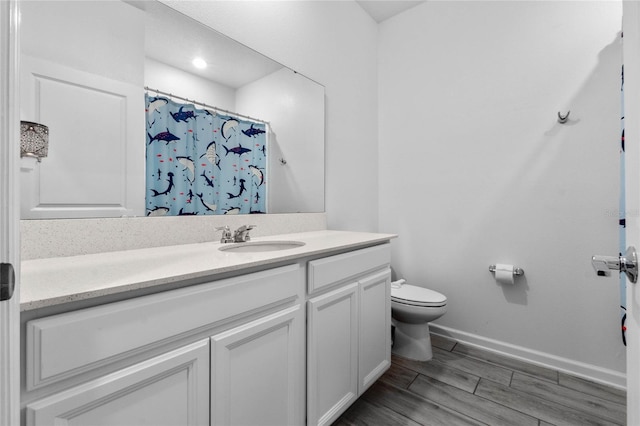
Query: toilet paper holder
<point x="516" y="271"/>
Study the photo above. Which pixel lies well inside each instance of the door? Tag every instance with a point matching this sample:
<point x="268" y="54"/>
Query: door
<point x="375" y="325"/>
<point x="332" y="354"/>
<point x="170" y="389"/>
<point x="257" y="372"/>
<point x="9" y="215"/>
<point x="631" y="59"/>
<point x="111" y="187"/>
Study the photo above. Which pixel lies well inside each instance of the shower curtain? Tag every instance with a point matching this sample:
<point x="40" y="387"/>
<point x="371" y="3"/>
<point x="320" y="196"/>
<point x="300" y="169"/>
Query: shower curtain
<point x="622" y="217"/>
<point x="200" y="163"/>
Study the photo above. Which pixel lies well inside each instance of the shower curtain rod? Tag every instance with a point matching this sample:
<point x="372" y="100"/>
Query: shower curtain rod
<point x="171" y="95"/>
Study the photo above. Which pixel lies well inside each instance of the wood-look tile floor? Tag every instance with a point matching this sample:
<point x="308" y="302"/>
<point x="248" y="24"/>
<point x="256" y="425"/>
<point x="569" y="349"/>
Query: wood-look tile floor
<point x="463" y="385"/>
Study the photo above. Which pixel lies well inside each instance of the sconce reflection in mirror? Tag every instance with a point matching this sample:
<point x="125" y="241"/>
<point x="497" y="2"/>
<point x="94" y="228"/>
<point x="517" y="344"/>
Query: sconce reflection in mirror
<point x="34" y="140"/>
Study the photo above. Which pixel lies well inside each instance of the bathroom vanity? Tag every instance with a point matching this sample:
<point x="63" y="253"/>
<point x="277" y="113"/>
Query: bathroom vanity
<point x="193" y="335"/>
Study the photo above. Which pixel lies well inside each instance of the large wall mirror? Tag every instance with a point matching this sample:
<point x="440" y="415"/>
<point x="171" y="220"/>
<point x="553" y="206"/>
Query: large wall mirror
<point x="85" y="70"/>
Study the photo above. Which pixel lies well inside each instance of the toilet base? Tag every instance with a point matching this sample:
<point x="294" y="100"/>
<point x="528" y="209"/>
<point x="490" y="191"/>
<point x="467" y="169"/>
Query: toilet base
<point x="412" y="341"/>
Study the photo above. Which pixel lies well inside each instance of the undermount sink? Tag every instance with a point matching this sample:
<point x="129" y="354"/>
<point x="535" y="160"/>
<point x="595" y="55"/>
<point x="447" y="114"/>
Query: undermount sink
<point x="256" y="246"/>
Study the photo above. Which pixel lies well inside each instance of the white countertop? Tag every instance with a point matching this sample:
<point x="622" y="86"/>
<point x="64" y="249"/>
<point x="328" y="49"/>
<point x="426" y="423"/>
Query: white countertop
<point x="53" y="281"/>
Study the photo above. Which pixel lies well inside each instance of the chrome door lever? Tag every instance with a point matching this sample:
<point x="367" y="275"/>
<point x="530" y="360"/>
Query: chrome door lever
<point x="627" y="263"/>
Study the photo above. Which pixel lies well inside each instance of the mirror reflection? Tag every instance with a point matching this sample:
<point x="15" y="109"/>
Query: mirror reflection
<point x="94" y="102"/>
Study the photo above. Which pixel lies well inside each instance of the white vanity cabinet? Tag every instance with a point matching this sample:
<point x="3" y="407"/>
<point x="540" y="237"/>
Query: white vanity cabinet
<point x="235" y="344"/>
<point x="348" y="329"/>
<point x="290" y="345"/>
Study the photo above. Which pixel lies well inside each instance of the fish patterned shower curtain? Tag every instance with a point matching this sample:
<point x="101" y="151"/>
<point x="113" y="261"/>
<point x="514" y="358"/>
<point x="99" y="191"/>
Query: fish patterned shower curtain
<point x="202" y="163"/>
<point x="622" y="217"/>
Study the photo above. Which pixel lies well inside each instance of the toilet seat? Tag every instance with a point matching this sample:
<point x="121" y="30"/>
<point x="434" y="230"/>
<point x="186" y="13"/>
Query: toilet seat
<point x="417" y="296"/>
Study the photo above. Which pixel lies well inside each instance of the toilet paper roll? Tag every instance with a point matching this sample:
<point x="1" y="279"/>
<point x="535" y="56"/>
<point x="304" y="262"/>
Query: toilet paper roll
<point x="504" y="274"/>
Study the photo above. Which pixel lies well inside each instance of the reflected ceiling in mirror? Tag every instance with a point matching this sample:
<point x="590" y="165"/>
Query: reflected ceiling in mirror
<point x="95" y="110"/>
<point x="187" y="41"/>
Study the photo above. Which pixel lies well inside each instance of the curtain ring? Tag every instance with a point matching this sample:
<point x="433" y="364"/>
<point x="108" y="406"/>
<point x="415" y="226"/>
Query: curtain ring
<point x="562" y="119"/>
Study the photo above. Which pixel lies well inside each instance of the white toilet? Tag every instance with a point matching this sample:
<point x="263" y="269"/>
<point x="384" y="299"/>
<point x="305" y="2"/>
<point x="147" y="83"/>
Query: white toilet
<point x="412" y="309"/>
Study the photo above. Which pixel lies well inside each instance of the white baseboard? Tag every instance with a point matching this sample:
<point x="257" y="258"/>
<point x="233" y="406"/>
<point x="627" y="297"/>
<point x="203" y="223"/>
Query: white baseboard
<point x="587" y="371"/>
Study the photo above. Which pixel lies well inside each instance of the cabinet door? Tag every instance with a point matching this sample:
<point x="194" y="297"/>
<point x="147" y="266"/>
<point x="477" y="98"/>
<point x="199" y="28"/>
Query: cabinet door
<point x="171" y="389"/>
<point x="332" y="354"/>
<point x="375" y="328"/>
<point x="258" y="372"/>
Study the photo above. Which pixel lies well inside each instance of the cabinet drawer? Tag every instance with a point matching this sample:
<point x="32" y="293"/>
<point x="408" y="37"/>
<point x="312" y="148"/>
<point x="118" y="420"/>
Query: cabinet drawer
<point x="170" y="389"/>
<point x="342" y="267"/>
<point x="63" y="345"/>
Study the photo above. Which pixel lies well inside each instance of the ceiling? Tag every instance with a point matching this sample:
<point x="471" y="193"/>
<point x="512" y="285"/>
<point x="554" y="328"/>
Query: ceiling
<point x="185" y="41"/>
<point x="385" y="9"/>
<point x="175" y="39"/>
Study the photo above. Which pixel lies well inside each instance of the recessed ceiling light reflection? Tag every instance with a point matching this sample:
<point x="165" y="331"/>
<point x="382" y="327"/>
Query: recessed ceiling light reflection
<point x="199" y="63"/>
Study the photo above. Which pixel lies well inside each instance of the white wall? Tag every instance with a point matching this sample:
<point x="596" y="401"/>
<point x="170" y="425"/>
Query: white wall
<point x="476" y="170"/>
<point x="294" y="106"/>
<point x="57" y="31"/>
<point x="334" y="43"/>
<point x="163" y="77"/>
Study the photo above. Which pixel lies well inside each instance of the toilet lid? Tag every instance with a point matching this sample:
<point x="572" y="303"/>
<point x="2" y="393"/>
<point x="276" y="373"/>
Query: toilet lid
<point x="417" y="296"/>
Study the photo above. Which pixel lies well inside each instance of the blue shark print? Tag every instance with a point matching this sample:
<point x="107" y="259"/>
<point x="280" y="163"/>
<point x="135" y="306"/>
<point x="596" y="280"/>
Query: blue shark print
<point x="209" y="163"/>
<point x="211" y="154"/>
<point x="237" y="150"/>
<point x="169" y="188"/>
<point x="188" y="164"/>
<point x="183" y="213"/>
<point x="155" y="104"/>
<point x="163" y="136"/>
<point x="182" y="115"/>
<point x="258" y="174"/>
<point x="242" y="189"/>
<point x="158" y="211"/>
<point x="207" y="181"/>
<point x="252" y="131"/>
<point x="208" y="206"/>
<point x="232" y="210"/>
<point x="227" y="126"/>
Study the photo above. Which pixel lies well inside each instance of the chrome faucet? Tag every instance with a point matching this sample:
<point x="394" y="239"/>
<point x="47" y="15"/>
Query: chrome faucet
<point x="226" y="234"/>
<point x="241" y="235"/>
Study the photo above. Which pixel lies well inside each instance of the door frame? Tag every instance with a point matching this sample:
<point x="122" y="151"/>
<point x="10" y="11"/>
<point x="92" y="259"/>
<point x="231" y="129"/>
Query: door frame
<point x="9" y="210"/>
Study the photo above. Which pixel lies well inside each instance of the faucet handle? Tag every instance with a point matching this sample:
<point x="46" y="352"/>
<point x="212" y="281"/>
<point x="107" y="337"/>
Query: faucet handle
<point x="249" y="228"/>
<point x="246" y="227"/>
<point x="226" y="234"/>
<point x="241" y="234"/>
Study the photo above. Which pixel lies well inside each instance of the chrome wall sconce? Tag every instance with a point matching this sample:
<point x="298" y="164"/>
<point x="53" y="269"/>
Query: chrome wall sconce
<point x="34" y="140"/>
